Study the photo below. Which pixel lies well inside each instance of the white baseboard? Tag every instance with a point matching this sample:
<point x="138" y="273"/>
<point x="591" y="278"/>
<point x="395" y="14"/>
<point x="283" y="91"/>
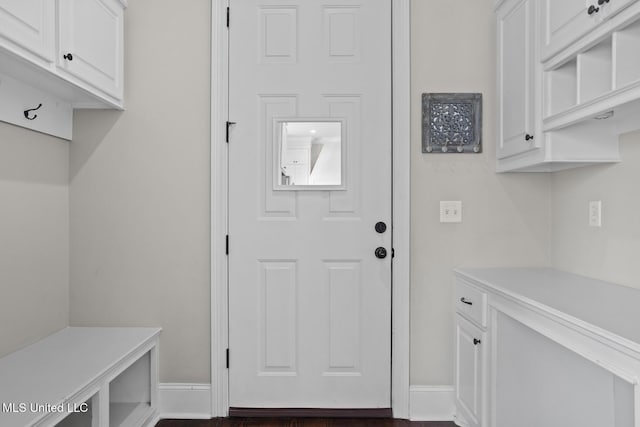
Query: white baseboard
<point x="193" y="401"/>
<point x="184" y="401"/>
<point x="431" y="403"/>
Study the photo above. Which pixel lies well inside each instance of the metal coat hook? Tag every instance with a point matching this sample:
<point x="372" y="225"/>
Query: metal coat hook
<point x="26" y="112"/>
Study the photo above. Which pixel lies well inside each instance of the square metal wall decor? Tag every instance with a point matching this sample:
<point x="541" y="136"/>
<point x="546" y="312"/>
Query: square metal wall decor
<point x="451" y="122"/>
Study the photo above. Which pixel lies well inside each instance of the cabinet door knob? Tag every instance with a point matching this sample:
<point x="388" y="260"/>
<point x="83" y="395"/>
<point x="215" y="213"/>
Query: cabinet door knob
<point x="601" y="2"/>
<point x="528" y="137"/>
<point x="476" y="341"/>
<point x="592" y="9"/>
<point x="380" y="227"/>
<point x="464" y="301"/>
<point x="68" y="57"/>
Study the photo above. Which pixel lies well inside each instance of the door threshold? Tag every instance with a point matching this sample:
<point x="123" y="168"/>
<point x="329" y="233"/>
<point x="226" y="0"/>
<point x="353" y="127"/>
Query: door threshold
<point x="310" y="413"/>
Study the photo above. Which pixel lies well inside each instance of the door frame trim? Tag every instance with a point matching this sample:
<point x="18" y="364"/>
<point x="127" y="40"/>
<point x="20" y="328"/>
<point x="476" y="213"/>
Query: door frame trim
<point x="401" y="206"/>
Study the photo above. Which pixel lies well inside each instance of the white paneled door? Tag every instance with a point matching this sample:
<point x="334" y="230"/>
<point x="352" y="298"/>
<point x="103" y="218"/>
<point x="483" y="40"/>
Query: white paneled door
<point x="309" y="280"/>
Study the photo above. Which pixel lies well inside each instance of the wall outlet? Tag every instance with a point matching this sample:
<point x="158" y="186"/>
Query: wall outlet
<point x="450" y="211"/>
<point x="595" y="213"/>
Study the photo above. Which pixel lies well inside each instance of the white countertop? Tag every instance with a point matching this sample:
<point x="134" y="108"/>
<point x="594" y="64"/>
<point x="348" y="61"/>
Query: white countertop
<point x="601" y="305"/>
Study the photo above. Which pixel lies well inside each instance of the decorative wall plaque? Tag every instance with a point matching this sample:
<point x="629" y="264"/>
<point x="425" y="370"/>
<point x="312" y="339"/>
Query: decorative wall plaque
<point x="451" y="122"/>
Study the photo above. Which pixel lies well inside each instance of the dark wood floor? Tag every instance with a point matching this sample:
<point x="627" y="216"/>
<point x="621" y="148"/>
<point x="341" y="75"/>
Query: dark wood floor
<point x="302" y="422"/>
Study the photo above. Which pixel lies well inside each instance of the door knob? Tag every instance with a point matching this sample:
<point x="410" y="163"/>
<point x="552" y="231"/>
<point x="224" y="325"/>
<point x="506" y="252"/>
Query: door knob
<point x="592" y="9"/>
<point x="601" y="2"/>
<point x="381" y="227"/>
<point x="381" y="252"/>
<point x="68" y="57"/>
<point x="476" y="341"/>
<point x="528" y="137"/>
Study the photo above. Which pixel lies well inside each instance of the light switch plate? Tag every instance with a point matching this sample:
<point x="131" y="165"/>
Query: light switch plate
<point x="595" y="213"/>
<point x="451" y="211"/>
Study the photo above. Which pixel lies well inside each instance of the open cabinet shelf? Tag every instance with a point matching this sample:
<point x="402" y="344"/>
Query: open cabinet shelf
<point x="601" y="79"/>
<point x="594" y="72"/>
<point x="626" y="56"/>
<point x="97" y="377"/>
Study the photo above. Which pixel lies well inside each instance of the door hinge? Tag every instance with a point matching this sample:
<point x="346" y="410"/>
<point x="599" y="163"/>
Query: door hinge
<point x="227" y="358"/>
<point x="229" y="124"/>
<point x="228" y="13"/>
<point x="226" y="245"/>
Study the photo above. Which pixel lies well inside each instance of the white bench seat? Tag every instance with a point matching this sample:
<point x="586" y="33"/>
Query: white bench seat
<point x="91" y="377"/>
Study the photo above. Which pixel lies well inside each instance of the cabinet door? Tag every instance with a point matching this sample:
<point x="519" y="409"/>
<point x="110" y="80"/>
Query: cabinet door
<point x="564" y="22"/>
<point x="91" y="32"/>
<point x="469" y="373"/>
<point x="29" y="25"/>
<point x="516" y="67"/>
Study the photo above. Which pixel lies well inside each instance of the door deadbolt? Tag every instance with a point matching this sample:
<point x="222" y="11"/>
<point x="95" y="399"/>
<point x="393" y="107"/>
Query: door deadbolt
<point x="381" y="227"/>
<point x="381" y="252"/>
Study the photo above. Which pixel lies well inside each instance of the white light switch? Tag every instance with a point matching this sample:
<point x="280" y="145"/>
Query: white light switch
<point x="450" y="211"/>
<point x="595" y="213"/>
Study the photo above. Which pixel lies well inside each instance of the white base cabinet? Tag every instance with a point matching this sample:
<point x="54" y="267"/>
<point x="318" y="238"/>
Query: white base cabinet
<point x="83" y="377"/>
<point x="558" y="350"/>
<point x="469" y="381"/>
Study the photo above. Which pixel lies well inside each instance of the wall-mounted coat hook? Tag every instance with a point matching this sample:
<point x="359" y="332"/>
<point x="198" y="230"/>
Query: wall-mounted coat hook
<point x="26" y="112"/>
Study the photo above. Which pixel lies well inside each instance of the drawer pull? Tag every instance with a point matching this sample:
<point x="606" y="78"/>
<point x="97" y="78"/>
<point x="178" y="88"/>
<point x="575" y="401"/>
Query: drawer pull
<point x="476" y="341"/>
<point x="465" y="301"/>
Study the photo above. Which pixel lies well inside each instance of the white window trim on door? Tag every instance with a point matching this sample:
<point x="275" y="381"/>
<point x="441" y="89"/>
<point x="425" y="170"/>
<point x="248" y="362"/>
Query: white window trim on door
<point x="401" y="208"/>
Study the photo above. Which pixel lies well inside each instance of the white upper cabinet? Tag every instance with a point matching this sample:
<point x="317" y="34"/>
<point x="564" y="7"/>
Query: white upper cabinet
<point x="29" y="27"/>
<point x="567" y="20"/>
<point x="568" y="82"/>
<point x="90" y="42"/>
<point x="59" y="55"/>
<point x="516" y="61"/>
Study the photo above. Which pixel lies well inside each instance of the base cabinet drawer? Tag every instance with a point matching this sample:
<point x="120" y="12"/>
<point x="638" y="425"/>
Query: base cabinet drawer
<point x="471" y="302"/>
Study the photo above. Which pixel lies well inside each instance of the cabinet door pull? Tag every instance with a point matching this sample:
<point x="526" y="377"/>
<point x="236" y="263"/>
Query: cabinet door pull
<point x="601" y="2"/>
<point x="68" y="57"/>
<point x="476" y="341"/>
<point x="592" y="9"/>
<point x="528" y="137"/>
<point x="465" y="301"/>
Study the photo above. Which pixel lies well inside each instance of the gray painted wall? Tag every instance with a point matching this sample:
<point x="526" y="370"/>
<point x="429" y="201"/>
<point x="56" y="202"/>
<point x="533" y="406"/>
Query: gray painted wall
<point x="34" y="236"/>
<point x="506" y="218"/>
<point x="610" y="252"/>
<point x="139" y="191"/>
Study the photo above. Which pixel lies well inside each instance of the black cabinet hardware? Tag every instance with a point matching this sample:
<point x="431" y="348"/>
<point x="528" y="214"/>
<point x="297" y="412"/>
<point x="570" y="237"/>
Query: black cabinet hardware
<point x="68" y="57"/>
<point x="381" y="227"/>
<point x="528" y="137"/>
<point x="592" y="9"/>
<point x="27" y="113"/>
<point x="476" y="341"/>
<point x="465" y="301"/>
<point x="381" y="252"/>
